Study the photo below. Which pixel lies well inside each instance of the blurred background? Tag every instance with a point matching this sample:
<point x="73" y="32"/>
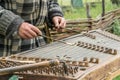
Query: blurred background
<point x="74" y="9"/>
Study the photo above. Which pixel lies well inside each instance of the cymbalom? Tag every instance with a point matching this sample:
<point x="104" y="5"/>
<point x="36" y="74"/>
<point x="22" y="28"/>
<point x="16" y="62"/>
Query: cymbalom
<point x="93" y="55"/>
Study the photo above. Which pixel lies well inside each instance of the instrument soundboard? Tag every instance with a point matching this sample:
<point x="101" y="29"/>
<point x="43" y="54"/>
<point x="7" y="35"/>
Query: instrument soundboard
<point x="90" y="55"/>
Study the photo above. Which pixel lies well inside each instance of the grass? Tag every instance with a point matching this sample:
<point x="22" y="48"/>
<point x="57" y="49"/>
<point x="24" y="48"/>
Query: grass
<point x="115" y="27"/>
<point x="117" y="78"/>
<point x="72" y="13"/>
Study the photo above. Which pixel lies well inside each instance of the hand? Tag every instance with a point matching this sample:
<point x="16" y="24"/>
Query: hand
<point x="28" y="31"/>
<point x="59" y="22"/>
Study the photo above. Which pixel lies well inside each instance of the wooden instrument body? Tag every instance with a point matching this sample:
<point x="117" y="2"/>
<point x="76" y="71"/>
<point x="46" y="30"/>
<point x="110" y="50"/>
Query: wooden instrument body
<point x="95" y="56"/>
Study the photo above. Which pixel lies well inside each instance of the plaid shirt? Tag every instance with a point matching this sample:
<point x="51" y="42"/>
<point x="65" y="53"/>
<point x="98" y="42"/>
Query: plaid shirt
<point x="13" y="13"/>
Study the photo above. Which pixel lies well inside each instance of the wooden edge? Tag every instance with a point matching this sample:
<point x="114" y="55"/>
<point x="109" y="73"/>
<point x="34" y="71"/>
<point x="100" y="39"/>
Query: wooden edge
<point x="113" y="74"/>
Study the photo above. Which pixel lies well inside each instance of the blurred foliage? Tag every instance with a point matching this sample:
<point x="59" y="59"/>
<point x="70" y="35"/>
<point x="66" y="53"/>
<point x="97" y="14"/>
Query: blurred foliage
<point x="117" y="78"/>
<point x="95" y="9"/>
<point x="116" y="27"/>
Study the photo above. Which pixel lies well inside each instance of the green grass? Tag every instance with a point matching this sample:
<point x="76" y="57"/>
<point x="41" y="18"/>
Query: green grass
<point x="71" y="13"/>
<point x="117" y="78"/>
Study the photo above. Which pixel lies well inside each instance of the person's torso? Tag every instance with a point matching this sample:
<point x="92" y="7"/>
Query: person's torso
<point x="32" y="11"/>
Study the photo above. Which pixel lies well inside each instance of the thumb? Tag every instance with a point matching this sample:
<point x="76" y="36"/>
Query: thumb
<point x="56" y="22"/>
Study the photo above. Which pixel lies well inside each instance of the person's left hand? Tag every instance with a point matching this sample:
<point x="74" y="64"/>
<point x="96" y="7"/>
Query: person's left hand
<point x="59" y="22"/>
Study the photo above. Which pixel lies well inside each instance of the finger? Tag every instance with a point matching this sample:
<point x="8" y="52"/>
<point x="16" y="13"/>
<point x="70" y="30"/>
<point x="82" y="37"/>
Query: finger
<point x="62" y="23"/>
<point x="28" y="35"/>
<point x="23" y="36"/>
<point x="56" y="22"/>
<point x="36" y="30"/>
<point x="32" y="33"/>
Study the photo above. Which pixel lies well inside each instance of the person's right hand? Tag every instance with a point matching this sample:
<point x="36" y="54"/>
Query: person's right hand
<point x="28" y="31"/>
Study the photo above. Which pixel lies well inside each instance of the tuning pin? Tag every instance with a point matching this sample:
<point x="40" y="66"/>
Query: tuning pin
<point x="24" y="58"/>
<point x="74" y="63"/>
<point x="115" y="52"/>
<point x="83" y="63"/>
<point x="94" y="60"/>
<point x="93" y="47"/>
<point x="101" y="49"/>
<point x="85" y="45"/>
<point x="85" y="59"/>
<point x="89" y="46"/>
<point x="37" y="59"/>
<point x="93" y="37"/>
<point x="19" y="58"/>
<point x="71" y="71"/>
<point x="75" y="69"/>
<point x="79" y="43"/>
<point x="97" y="48"/>
<point x="40" y="71"/>
<point x="31" y="59"/>
<point x="43" y="59"/>
<point x="13" y="57"/>
<point x="68" y="61"/>
<point x="106" y="50"/>
<point x="111" y="51"/>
